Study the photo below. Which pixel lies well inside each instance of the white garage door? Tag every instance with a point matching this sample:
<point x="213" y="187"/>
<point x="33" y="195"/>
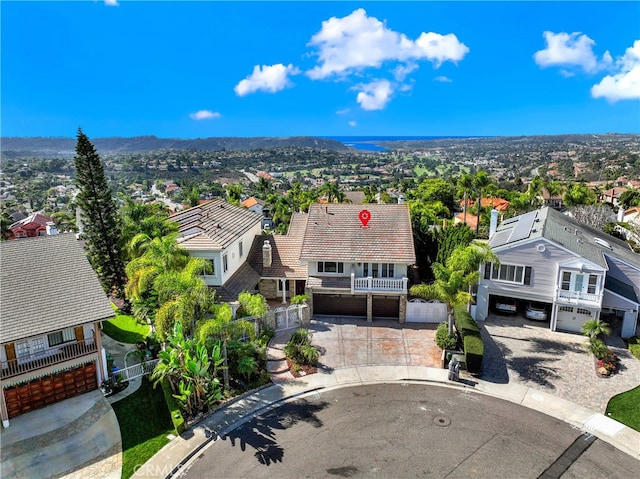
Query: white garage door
<point x="571" y="318"/>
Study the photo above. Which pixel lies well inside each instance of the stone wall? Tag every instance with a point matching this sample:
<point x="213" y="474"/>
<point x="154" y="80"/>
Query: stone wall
<point x="268" y="288"/>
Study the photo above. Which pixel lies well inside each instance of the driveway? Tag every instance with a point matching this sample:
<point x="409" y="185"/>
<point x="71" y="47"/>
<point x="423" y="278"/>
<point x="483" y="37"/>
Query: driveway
<point x="345" y="342"/>
<point x="527" y="352"/>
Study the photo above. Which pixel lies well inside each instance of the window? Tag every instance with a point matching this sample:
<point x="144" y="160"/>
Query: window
<point x="511" y="273"/>
<point x="60" y="337"/>
<point x="212" y="265"/>
<point x="225" y="263"/>
<point x="374" y="270"/>
<point x="330" y="267"/>
<point x="593" y="282"/>
<point x="566" y="309"/>
<point x="286" y="285"/>
<point x="386" y="270"/>
<point x="22" y="349"/>
<point x="583" y="311"/>
<point x="240" y="252"/>
<point x="566" y="281"/>
<point x="578" y="282"/>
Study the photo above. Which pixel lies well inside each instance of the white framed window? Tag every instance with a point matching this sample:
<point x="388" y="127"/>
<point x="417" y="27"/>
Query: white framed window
<point x="566" y="309"/>
<point x="580" y="282"/>
<point x="286" y="285"/>
<point x="60" y="337"/>
<point x="22" y="348"/>
<point x="378" y="270"/>
<point x="584" y="311"/>
<point x="330" y="267"/>
<point x="212" y="266"/>
<point x="509" y="273"/>
<point x="240" y="249"/>
<point x="225" y="263"/>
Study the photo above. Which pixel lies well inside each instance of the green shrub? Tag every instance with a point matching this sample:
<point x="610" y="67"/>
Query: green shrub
<point x="443" y="340"/>
<point x="471" y="339"/>
<point x="176" y="415"/>
<point x="300" y="299"/>
<point x="597" y="347"/>
<point x="299" y="350"/>
<point x="473" y="352"/>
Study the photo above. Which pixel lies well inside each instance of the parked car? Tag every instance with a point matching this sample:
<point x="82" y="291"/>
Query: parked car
<point x="506" y="306"/>
<point x="536" y="311"/>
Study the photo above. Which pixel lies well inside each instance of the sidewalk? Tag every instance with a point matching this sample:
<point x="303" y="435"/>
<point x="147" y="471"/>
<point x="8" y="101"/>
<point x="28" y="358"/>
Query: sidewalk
<point x="179" y="451"/>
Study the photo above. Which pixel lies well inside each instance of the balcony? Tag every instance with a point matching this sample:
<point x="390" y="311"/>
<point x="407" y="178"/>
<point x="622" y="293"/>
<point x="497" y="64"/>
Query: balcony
<point x="392" y="285"/>
<point x="578" y="297"/>
<point x="47" y="357"/>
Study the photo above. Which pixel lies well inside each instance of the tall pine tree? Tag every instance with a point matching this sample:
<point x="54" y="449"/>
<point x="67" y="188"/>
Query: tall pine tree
<point x="101" y="228"/>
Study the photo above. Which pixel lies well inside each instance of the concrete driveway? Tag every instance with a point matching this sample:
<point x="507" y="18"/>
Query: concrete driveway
<point x="345" y="342"/>
<point x="527" y="352"/>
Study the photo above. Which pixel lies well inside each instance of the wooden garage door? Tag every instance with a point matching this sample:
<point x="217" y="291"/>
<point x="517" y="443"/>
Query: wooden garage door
<point x="49" y="389"/>
<point x="339" y="305"/>
<point x="386" y="307"/>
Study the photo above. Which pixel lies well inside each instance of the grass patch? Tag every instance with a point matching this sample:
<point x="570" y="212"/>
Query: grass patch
<point x="624" y="408"/>
<point x="144" y="424"/>
<point x="125" y="329"/>
<point x="634" y="346"/>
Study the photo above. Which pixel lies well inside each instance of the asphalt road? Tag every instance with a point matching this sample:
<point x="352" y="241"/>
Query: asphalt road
<point x="406" y="431"/>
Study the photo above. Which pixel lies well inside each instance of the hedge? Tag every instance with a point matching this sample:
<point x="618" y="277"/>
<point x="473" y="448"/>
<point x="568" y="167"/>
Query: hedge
<point x="176" y="415"/>
<point x="471" y="339"/>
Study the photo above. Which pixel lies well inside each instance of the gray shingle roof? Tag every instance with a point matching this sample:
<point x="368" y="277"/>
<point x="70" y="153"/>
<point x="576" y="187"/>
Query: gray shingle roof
<point x="215" y="224"/>
<point x="334" y="232"/>
<point x="584" y="240"/>
<point x="47" y="284"/>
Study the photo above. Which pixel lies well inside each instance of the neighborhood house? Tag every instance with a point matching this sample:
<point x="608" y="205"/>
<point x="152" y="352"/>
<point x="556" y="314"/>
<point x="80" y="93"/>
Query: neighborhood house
<point x="50" y="346"/>
<point x="577" y="272"/>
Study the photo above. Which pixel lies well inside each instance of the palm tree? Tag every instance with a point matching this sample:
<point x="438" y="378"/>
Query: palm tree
<point x="480" y="182"/>
<point x="595" y="327"/>
<point x="465" y="186"/>
<point x="222" y="327"/>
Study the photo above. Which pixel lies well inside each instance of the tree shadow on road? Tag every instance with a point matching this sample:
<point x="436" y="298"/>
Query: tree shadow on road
<point x="260" y="433"/>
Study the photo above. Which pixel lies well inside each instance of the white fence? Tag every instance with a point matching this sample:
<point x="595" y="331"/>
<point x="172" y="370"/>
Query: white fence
<point x="135" y="371"/>
<point x="421" y="311"/>
<point x="290" y="317"/>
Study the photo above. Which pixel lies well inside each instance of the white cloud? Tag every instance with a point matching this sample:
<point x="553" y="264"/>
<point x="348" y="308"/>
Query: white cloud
<point x="570" y="49"/>
<point x="443" y="79"/>
<point x="204" y="115"/>
<point x="375" y="95"/>
<point x="625" y="84"/>
<point x="357" y="41"/>
<point x="353" y="123"/>
<point x="344" y="111"/>
<point x="440" y="48"/>
<point x="111" y="3"/>
<point x="269" y="78"/>
<point x="401" y="71"/>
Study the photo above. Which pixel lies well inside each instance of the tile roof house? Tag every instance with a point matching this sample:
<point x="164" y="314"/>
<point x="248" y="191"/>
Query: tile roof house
<point x="33" y="225"/>
<point x="346" y="265"/>
<point x="472" y="220"/>
<point x="50" y="346"/>
<point x="223" y="234"/>
<point x="577" y="271"/>
<point x="612" y="195"/>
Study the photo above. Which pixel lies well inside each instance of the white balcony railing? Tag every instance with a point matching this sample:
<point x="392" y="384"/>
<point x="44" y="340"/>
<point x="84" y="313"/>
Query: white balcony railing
<point x="395" y="285"/>
<point x="575" y="297"/>
<point x="47" y="357"/>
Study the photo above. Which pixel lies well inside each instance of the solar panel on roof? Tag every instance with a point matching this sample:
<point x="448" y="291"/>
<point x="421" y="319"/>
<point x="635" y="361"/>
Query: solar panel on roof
<point x="510" y="220"/>
<point x="522" y="229"/>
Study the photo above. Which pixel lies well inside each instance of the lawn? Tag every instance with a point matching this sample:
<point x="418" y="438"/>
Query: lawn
<point x="125" y="329"/>
<point x="144" y="425"/>
<point x="634" y="346"/>
<point x="624" y="408"/>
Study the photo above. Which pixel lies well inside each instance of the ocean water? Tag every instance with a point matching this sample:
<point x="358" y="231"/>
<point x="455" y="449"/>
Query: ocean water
<point x="371" y="143"/>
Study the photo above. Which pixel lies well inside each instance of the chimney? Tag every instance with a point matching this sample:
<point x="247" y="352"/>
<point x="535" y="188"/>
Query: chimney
<point x="266" y="254"/>
<point x="51" y="228"/>
<point x="493" y="224"/>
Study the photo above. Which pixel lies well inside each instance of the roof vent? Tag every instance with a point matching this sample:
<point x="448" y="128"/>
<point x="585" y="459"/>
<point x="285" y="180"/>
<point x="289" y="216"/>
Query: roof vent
<point x="603" y="243"/>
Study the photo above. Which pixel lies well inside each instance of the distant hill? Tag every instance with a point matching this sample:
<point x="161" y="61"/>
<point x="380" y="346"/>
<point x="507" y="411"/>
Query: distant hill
<point x="42" y="146"/>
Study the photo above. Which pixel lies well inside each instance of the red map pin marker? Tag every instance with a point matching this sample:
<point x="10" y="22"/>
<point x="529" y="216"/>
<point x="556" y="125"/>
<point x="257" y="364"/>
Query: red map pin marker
<point x="364" y="216"/>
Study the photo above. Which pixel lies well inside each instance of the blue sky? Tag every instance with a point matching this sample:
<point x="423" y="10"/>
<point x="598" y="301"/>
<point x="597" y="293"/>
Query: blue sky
<point x="207" y="69"/>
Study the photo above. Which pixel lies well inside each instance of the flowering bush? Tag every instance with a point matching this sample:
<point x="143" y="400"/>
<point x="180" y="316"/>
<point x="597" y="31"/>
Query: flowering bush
<point x="608" y="364"/>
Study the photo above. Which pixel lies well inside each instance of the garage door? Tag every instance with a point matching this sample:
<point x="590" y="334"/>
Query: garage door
<point x="571" y="318"/>
<point x="340" y="305"/>
<point x="386" y="307"/>
<point x="49" y="389"/>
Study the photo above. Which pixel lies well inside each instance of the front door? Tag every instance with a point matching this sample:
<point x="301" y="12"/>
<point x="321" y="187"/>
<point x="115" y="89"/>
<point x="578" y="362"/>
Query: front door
<point x="300" y="285"/>
<point x="79" y="333"/>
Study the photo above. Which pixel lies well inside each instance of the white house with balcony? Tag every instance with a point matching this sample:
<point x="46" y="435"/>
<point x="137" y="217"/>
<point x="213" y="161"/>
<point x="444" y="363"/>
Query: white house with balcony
<point x="348" y="266"/>
<point x="579" y="272"/>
